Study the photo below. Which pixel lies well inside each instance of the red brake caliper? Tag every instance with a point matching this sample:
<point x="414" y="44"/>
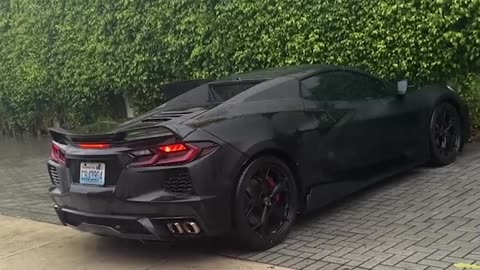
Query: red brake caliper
<point x="271" y="184"/>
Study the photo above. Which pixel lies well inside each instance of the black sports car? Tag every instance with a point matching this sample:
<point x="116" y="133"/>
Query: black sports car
<point x="244" y="155"/>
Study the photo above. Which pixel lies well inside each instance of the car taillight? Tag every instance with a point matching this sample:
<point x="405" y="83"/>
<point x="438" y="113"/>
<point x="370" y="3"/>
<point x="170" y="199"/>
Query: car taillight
<point x="56" y="154"/>
<point x="179" y="147"/>
<point x="171" y="154"/>
<point x="94" y="145"/>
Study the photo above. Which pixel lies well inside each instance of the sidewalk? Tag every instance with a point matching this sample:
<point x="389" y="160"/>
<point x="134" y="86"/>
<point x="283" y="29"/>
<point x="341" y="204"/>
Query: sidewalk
<point x="31" y="245"/>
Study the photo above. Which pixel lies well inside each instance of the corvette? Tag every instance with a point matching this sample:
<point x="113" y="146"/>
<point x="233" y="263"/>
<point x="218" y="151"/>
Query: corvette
<point x="244" y="155"/>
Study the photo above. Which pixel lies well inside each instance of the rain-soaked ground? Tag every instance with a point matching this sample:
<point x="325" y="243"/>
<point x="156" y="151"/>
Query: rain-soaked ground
<point x="24" y="178"/>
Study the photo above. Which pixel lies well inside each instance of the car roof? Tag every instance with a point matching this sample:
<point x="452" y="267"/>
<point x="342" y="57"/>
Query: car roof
<point x="299" y="72"/>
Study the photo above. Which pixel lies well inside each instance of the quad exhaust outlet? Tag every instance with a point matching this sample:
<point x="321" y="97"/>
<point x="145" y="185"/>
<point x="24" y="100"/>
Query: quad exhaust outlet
<point x="183" y="228"/>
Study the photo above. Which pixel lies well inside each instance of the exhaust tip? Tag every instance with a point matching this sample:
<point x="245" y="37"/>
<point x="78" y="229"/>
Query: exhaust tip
<point x="175" y="228"/>
<point x="182" y="228"/>
<point x="191" y="228"/>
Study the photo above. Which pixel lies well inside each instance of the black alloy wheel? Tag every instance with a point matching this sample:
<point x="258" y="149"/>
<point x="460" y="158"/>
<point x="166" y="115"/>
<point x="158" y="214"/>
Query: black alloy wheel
<point x="266" y="203"/>
<point x="445" y="134"/>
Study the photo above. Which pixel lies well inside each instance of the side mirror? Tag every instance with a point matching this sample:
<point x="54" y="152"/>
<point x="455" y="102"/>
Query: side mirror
<point x="402" y="87"/>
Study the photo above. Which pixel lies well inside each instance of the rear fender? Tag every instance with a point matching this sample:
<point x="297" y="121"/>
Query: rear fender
<point x="436" y="94"/>
<point x="273" y="149"/>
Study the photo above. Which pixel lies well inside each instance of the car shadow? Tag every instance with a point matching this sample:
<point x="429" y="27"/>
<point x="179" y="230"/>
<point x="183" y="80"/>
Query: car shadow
<point x="107" y="247"/>
<point x="362" y="194"/>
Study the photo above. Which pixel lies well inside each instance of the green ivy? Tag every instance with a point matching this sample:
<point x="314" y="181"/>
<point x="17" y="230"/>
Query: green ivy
<point x="63" y="60"/>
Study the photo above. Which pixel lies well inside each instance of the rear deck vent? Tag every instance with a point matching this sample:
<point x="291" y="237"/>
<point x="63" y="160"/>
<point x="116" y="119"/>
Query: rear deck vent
<point x="167" y="115"/>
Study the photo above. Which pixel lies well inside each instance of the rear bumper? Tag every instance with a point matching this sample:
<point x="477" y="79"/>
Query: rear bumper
<point x="132" y="227"/>
<point x="164" y="221"/>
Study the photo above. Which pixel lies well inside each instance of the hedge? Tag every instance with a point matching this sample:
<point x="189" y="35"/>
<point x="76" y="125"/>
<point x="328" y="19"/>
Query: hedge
<point x="62" y="61"/>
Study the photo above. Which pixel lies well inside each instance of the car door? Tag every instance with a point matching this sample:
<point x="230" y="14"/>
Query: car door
<point x="370" y="122"/>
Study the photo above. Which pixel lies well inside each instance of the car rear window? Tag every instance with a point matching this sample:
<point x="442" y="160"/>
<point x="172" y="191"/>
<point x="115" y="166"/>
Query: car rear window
<point x="225" y="91"/>
<point x="209" y="94"/>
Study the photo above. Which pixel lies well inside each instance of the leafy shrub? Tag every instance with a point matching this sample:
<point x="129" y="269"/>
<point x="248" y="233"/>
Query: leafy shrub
<point x="469" y="89"/>
<point x="61" y="61"/>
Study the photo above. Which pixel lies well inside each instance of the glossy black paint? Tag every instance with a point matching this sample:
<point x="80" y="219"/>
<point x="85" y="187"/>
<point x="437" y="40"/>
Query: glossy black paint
<point x="334" y="147"/>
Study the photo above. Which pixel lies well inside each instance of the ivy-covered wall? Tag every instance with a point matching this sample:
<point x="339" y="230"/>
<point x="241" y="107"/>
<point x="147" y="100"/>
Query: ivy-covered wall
<point x="63" y="60"/>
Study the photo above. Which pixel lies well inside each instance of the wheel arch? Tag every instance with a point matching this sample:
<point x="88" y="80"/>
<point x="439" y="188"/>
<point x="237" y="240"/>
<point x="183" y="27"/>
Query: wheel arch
<point x="238" y="225"/>
<point x="462" y="111"/>
<point x="284" y="156"/>
<point x="436" y="94"/>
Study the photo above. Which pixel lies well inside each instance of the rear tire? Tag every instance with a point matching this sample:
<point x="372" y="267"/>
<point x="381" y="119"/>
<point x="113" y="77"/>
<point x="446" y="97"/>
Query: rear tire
<point x="266" y="203"/>
<point x="445" y="134"/>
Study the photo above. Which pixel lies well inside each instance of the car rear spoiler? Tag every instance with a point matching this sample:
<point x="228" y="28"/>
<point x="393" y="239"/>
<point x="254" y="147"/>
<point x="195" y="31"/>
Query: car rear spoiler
<point x="63" y="136"/>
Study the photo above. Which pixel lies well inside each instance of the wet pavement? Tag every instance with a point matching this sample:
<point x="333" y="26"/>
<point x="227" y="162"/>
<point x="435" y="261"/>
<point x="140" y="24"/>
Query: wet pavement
<point x="426" y="219"/>
<point x="24" y="178"/>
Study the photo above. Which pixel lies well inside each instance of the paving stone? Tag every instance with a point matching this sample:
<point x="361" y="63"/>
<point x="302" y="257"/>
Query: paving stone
<point x="353" y="263"/>
<point x="384" y="267"/>
<point x="454" y="260"/>
<point x="475" y="257"/>
<point x="319" y="265"/>
<point x="461" y="252"/>
<point x="305" y="255"/>
<point x="291" y="262"/>
<point x="372" y="262"/>
<point x="400" y="251"/>
<point x="269" y="258"/>
<point x="434" y="263"/>
<point x="289" y="252"/>
<point x="377" y="254"/>
<point x="435" y="268"/>
<point x="412" y="266"/>
<point x="316" y="243"/>
<point x="303" y="263"/>
<point x="361" y="258"/>
<point x="321" y="254"/>
<point x="259" y="256"/>
<point x="343" y="251"/>
<point x="281" y="259"/>
<point x="334" y="266"/>
<point x="416" y="257"/>
<point x="332" y="259"/>
<point x="438" y="255"/>
<point x="394" y="260"/>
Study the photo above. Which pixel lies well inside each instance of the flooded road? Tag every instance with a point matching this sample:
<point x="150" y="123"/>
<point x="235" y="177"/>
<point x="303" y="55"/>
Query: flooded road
<point x="22" y="150"/>
<point x="24" y="178"/>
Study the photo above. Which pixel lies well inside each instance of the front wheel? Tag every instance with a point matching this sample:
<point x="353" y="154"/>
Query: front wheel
<point x="445" y="134"/>
<point x="265" y="204"/>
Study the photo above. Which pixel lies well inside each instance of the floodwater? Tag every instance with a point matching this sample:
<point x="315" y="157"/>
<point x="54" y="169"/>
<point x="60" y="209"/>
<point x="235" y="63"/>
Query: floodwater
<point x="18" y="151"/>
<point x="24" y="179"/>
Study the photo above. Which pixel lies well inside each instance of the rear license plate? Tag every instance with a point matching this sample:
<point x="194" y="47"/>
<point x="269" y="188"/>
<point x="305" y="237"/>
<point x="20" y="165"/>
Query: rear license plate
<point x="92" y="173"/>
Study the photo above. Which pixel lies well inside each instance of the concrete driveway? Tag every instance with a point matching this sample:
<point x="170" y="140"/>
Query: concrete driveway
<point x="31" y="245"/>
